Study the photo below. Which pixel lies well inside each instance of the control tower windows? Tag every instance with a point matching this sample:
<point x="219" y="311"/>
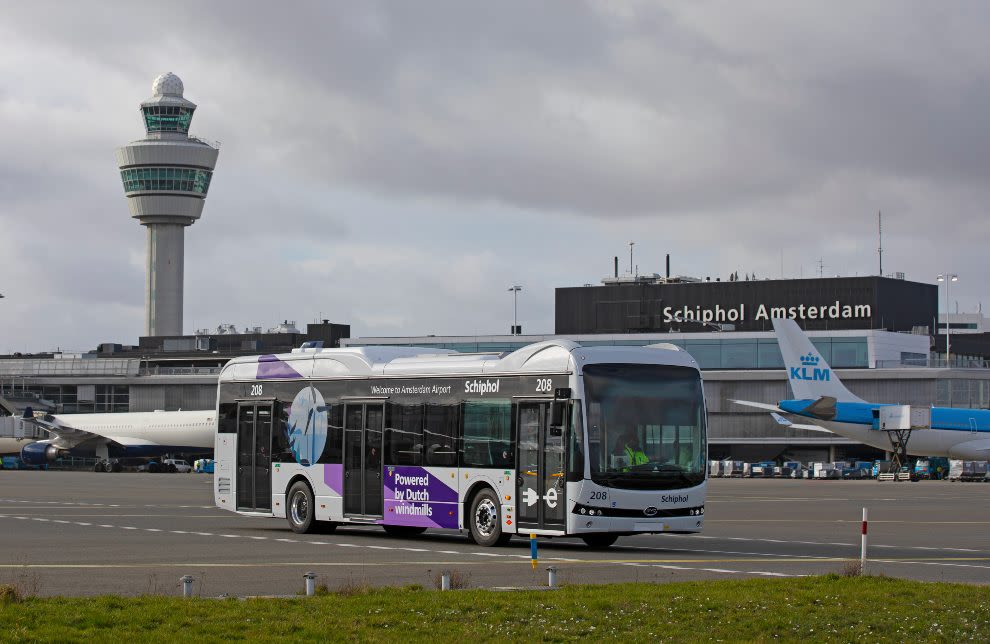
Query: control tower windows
<point x="167" y="118"/>
<point x="166" y="179"/>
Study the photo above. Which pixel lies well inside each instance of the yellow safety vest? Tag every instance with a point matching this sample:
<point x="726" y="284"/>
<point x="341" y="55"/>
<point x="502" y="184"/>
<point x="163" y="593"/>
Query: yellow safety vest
<point x="636" y="456"/>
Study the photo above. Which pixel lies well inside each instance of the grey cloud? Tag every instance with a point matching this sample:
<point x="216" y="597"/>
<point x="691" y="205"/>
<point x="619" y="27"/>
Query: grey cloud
<point x="542" y="136"/>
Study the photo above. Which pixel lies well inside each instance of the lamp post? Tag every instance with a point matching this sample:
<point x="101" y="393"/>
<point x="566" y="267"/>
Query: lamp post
<point x="947" y="278"/>
<point x="515" y="307"/>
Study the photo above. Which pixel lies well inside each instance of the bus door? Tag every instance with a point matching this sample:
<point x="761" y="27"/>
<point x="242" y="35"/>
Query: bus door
<point x="254" y="456"/>
<point x="541" y="482"/>
<point x="363" y="426"/>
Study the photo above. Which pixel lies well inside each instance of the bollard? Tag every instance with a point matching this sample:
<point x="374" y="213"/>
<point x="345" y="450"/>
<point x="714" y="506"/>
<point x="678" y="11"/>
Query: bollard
<point x="445" y="580"/>
<point x="552" y="577"/>
<point x="532" y="550"/>
<point x="310" y="578"/>
<point x="862" y="550"/>
<point x="187" y="582"/>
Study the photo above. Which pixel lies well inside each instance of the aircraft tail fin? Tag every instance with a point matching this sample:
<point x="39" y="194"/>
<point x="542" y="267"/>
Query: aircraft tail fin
<point x="808" y="373"/>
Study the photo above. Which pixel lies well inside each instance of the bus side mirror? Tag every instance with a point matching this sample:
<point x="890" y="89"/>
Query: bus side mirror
<point x="557" y="414"/>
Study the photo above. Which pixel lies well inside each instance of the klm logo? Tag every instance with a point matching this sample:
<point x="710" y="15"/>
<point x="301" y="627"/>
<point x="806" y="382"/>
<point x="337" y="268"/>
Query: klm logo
<point x="809" y="369"/>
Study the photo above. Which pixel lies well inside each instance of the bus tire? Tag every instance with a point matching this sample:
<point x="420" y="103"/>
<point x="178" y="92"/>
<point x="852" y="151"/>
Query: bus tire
<point x="485" y="520"/>
<point x="403" y="530"/>
<point x="599" y="541"/>
<point x="299" y="507"/>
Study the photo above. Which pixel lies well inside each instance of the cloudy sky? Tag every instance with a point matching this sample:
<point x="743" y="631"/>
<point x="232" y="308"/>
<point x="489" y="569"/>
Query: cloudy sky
<point x="397" y="166"/>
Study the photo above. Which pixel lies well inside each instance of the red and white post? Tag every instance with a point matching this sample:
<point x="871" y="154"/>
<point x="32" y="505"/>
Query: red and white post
<point x="862" y="550"/>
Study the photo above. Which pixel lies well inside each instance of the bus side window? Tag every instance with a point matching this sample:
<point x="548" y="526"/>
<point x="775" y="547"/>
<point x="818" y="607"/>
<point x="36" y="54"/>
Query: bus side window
<point x="440" y="434"/>
<point x="575" y="451"/>
<point x="227" y="419"/>
<point x="487" y="434"/>
<point x="334" y="448"/>
<point x="404" y="435"/>
<point x="281" y="450"/>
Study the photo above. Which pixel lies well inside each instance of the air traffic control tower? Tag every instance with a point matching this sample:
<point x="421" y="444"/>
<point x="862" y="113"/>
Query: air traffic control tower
<point x="166" y="176"/>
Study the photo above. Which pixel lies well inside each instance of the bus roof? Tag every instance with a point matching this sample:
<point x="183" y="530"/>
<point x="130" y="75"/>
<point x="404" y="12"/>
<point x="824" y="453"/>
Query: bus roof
<point x="550" y="356"/>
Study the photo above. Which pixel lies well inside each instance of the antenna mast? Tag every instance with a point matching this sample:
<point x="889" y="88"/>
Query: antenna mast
<point x="880" y="232"/>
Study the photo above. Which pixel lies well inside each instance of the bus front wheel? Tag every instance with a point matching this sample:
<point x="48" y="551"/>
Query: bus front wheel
<point x="598" y="541"/>
<point x="485" y="520"/>
<point x="299" y="507"/>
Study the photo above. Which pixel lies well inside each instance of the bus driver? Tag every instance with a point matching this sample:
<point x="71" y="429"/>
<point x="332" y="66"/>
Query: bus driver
<point x="631" y="448"/>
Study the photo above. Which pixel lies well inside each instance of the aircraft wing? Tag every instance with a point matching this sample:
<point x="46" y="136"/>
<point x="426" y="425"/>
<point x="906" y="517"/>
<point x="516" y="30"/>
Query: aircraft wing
<point x="786" y="423"/>
<point x="758" y="405"/>
<point x="774" y="409"/>
<point x="61" y="435"/>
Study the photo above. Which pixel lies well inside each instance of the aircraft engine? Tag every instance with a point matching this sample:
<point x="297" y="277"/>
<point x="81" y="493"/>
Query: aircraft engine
<point x="39" y="453"/>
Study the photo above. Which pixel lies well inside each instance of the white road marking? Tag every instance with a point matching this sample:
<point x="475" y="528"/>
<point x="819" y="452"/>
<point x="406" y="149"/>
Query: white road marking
<point x="815" y="543"/>
<point x="109" y="505"/>
<point x="781" y="557"/>
<point x="723" y="571"/>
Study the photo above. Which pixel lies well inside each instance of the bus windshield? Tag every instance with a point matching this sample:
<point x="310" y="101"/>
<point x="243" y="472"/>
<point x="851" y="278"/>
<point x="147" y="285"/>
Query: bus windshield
<point x="646" y="425"/>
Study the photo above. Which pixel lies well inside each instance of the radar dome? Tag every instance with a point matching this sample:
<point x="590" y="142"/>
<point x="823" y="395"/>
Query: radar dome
<point x="167" y="83"/>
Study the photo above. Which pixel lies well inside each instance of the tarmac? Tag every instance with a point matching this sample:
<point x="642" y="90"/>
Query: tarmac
<point x="87" y="533"/>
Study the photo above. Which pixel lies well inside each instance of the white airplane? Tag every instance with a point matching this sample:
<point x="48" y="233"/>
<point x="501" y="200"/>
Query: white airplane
<point x="820" y="397"/>
<point x="122" y="435"/>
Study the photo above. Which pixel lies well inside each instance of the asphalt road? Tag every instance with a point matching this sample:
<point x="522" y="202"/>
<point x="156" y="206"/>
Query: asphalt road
<point x="83" y="533"/>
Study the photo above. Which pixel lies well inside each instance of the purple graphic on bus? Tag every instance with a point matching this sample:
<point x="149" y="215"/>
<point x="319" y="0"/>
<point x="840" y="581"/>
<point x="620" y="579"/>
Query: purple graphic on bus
<point x="416" y="497"/>
<point x="333" y="476"/>
<point x="270" y="366"/>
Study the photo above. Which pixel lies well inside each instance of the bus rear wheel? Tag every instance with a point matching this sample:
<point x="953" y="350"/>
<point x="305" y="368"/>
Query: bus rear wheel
<point x="403" y="530"/>
<point x="599" y="541"/>
<point x="485" y="520"/>
<point x="299" y="507"/>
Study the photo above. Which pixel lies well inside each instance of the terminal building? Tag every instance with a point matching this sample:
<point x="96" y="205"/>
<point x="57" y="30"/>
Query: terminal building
<point x="160" y="372"/>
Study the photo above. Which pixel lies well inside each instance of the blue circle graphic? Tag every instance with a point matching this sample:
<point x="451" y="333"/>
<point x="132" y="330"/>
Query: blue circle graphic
<point x="307" y="426"/>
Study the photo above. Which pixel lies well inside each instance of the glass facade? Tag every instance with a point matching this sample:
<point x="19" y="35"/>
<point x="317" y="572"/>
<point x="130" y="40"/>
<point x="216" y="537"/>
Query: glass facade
<point x="66" y="400"/>
<point x="966" y="393"/>
<point x="167" y="118"/>
<point x="714" y="353"/>
<point x="170" y="179"/>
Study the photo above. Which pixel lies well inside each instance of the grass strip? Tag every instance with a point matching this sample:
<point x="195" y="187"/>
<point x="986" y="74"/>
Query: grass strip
<point x="829" y="608"/>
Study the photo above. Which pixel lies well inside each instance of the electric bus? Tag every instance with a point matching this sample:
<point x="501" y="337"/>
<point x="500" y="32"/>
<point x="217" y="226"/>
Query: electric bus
<point x="554" y="439"/>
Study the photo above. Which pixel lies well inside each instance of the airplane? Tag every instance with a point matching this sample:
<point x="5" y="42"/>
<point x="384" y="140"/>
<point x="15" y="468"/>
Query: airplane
<point x="820" y="397"/>
<point x="121" y="435"/>
<point x="11" y="446"/>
